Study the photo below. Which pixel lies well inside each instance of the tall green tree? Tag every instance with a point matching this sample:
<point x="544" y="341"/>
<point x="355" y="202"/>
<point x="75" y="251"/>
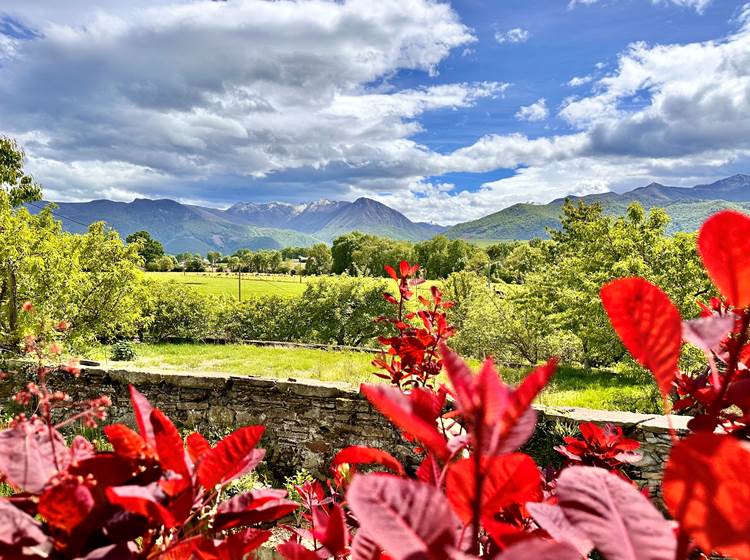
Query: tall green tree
<point x="148" y="248"/>
<point x="319" y="260"/>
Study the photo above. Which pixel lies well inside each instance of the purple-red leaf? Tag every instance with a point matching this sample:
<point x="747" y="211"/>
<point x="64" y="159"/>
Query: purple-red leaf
<point x="407" y="519"/>
<point x="30" y="454"/>
<point x="253" y="507"/>
<point x="233" y="456"/>
<point x="617" y="518"/>
<point x="19" y="530"/>
<point x="724" y="246"/>
<point x="552" y="519"/>
<point x="144" y="501"/>
<point x="707" y="333"/>
<point x="540" y="549"/>
<point x="648" y="324"/>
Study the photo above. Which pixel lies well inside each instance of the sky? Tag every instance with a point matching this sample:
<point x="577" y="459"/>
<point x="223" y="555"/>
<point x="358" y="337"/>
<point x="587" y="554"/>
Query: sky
<point x="446" y="111"/>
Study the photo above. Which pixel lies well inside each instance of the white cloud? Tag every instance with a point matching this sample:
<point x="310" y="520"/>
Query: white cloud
<point x="201" y="89"/>
<point x="515" y="35"/>
<point x="535" y="112"/>
<point x="697" y="5"/>
<point x="577" y="81"/>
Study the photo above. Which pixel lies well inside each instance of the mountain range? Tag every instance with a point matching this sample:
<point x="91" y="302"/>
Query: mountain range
<point x="273" y="225"/>
<point x="687" y="207"/>
<point x="190" y="228"/>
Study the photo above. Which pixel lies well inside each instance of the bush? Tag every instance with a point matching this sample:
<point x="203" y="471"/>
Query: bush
<point x="264" y="318"/>
<point x="172" y="310"/>
<point x="341" y="311"/>
<point x="122" y="351"/>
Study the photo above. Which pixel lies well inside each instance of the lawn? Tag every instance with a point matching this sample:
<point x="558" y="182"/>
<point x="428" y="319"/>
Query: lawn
<point x="253" y="285"/>
<point x="570" y="387"/>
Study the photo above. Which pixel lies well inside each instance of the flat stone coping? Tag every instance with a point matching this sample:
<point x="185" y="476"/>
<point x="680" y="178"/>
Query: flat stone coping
<point x="655" y="423"/>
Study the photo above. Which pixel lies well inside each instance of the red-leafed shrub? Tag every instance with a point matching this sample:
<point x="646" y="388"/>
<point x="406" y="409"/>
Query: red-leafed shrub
<point x="153" y="496"/>
<point x="411" y="357"/>
<point x="605" y="447"/>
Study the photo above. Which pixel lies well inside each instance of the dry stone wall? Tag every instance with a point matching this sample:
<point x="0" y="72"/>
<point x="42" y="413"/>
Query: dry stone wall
<point x="307" y="422"/>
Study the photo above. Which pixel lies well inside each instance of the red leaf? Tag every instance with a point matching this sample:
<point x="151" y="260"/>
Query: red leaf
<point x="707" y="491"/>
<point x="392" y="273"/>
<point x="358" y="455"/>
<point x="233" y="456"/>
<point x="127" y="443"/>
<point x="403" y="411"/>
<point x="330" y="529"/>
<point x="617" y="518"/>
<point x="405" y="518"/>
<point x="540" y="549"/>
<point x="253" y="507"/>
<point x="142" y="410"/>
<point x="197" y="446"/>
<point x="724" y="246"/>
<point x="169" y="445"/>
<point x="295" y="551"/>
<point x="648" y="324"/>
<point x="66" y="505"/>
<point x="508" y="479"/>
<point x="30" y="456"/>
<point x="142" y="500"/>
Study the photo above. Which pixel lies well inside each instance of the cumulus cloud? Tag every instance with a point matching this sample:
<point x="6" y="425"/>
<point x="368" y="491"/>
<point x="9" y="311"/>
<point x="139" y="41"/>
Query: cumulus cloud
<point x="515" y="35"/>
<point x="535" y="112"/>
<point x="577" y="81"/>
<point x="186" y="91"/>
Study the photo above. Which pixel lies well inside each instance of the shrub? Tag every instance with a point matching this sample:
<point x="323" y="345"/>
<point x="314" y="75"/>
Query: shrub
<point x="172" y="310"/>
<point x="341" y="310"/>
<point x="263" y="318"/>
<point x="122" y="351"/>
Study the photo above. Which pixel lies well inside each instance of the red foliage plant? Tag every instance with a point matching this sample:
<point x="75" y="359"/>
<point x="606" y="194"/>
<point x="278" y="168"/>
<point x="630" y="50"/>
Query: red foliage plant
<point x="474" y="495"/>
<point x="604" y="447"/>
<point x="411" y="358"/>
<point x="153" y="496"/>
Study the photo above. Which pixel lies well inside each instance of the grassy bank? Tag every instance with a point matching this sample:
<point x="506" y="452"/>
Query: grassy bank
<point x="570" y="387"/>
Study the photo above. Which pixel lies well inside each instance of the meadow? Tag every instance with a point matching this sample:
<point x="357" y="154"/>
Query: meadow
<point x="587" y="388"/>
<point x="253" y="285"/>
<point x="227" y="284"/>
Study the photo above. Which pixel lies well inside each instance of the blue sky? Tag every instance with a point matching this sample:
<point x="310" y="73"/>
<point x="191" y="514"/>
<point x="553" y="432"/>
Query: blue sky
<point x="446" y="111"/>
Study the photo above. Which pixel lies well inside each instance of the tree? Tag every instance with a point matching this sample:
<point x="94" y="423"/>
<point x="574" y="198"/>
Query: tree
<point x="148" y="248"/>
<point x="319" y="260"/>
<point x="344" y="247"/>
<point x="17" y="185"/>
<point x="213" y="257"/>
<point x="591" y="249"/>
<point x="441" y="256"/>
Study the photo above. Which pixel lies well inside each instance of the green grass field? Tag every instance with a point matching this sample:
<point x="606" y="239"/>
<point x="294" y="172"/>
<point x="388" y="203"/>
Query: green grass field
<point x="570" y="387"/>
<point x="210" y="283"/>
<point x="253" y="285"/>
